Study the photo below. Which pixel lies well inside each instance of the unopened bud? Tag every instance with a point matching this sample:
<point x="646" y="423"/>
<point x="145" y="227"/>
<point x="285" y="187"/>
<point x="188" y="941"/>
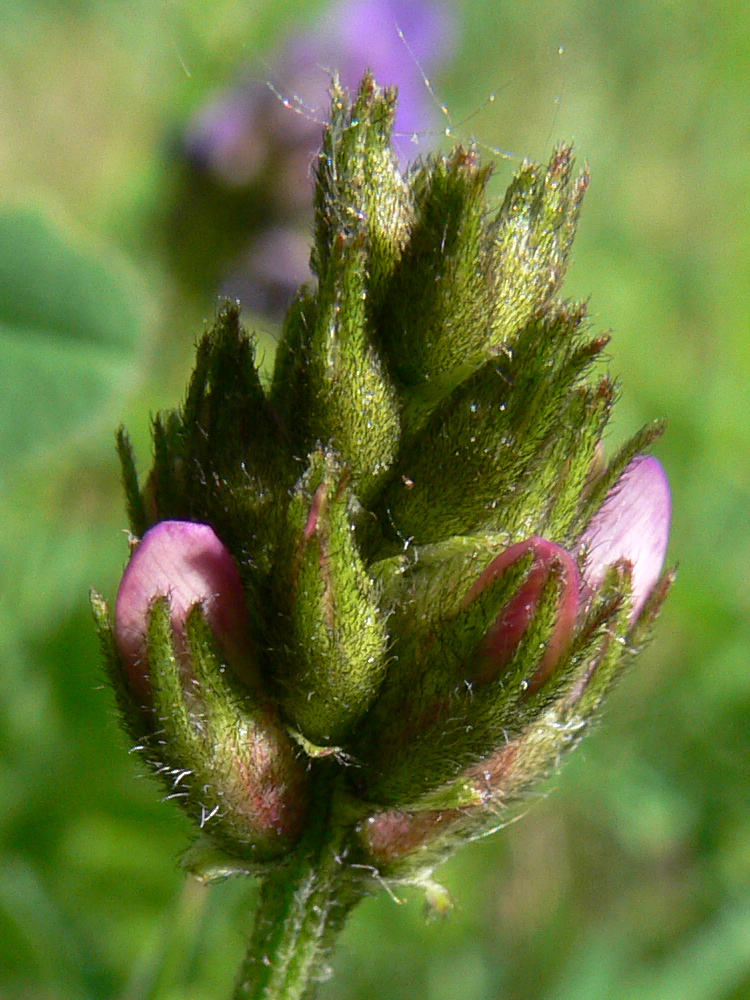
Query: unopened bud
<point x="187" y="563"/>
<point x="480" y="665"/>
<point x="193" y="696"/>
<point x="503" y="636"/>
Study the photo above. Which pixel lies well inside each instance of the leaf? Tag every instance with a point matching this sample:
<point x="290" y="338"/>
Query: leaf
<point x="70" y="319"/>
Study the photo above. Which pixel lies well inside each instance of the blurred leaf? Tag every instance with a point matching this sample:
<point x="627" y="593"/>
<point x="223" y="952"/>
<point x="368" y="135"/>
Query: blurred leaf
<point x="45" y="939"/>
<point x="711" y="965"/>
<point x="69" y="325"/>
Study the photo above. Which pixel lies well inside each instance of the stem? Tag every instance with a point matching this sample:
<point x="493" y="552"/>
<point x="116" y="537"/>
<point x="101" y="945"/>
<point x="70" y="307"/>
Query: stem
<point x="302" y="907"/>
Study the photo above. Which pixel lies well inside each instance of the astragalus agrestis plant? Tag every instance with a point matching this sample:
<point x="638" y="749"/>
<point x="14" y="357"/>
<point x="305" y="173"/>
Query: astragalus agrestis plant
<point x="370" y="605"/>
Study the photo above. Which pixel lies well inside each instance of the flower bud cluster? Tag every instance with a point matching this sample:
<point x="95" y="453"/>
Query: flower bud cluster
<point x="405" y="563"/>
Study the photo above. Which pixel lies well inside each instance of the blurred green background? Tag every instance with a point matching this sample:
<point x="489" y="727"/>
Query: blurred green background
<point x="632" y="879"/>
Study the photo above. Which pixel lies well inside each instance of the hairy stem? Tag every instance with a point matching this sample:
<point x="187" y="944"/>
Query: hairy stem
<point x="302" y="907"/>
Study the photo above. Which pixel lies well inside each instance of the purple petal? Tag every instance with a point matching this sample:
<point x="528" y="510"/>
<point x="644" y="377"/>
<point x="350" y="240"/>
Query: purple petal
<point x="187" y="563"/>
<point x="632" y="526"/>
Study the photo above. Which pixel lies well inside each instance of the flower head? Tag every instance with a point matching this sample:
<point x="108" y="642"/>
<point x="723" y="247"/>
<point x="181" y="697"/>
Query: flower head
<point x="382" y="596"/>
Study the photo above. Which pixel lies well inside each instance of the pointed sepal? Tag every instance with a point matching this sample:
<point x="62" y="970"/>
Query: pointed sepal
<point x="335" y="650"/>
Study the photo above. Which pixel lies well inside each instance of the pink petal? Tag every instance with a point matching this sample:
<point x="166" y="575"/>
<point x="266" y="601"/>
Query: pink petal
<point x="188" y="563"/>
<point x="631" y="526"/>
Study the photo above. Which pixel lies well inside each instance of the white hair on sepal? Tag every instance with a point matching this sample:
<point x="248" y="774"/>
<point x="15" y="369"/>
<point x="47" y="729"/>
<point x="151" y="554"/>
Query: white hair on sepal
<point x="454" y="131"/>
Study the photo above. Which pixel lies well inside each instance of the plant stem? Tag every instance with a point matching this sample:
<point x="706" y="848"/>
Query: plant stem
<point x="302" y="907"/>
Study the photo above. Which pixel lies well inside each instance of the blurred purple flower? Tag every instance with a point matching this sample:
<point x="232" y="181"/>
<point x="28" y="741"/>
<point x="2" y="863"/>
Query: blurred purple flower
<point x="249" y="136"/>
<point x="248" y="124"/>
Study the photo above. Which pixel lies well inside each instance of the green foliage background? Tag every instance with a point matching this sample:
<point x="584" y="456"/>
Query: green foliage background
<point x="632" y="880"/>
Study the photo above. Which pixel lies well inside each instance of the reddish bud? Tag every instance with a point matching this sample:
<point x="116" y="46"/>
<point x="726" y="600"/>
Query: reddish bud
<point x="187" y="563"/>
<point x="503" y="636"/>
